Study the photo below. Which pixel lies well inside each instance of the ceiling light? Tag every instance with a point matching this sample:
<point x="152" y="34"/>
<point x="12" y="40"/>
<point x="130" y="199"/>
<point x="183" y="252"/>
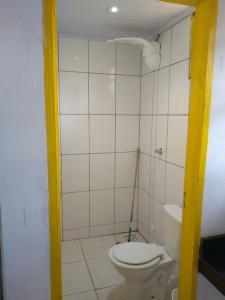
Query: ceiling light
<point x="114" y="9"/>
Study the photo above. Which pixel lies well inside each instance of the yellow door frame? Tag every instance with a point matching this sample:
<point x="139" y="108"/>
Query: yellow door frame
<point x="201" y="70"/>
<point x="50" y="54"/>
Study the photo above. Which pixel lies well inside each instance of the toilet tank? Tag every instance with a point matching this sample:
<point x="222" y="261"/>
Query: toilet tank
<point x="172" y="227"/>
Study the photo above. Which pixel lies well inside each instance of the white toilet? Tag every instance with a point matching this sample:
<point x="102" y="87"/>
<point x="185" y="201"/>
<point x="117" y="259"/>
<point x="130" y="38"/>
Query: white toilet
<point x="147" y="267"/>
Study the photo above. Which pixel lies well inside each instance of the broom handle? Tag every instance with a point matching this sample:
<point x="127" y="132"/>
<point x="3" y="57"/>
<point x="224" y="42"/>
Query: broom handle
<point x="133" y="195"/>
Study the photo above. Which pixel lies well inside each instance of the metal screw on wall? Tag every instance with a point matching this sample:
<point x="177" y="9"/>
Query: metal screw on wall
<point x="159" y="151"/>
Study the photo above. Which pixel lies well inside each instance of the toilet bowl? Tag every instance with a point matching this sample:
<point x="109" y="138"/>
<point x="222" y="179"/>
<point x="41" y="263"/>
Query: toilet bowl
<point x="147" y="267"/>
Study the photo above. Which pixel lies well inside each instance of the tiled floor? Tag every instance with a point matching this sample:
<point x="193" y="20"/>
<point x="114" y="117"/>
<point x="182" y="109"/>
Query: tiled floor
<point x="86" y="270"/>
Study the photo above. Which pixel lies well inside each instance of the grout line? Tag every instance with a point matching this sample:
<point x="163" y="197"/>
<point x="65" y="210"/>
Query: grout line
<point x="139" y="141"/>
<point x="167" y="66"/>
<point x="98" y="190"/>
<point x="168" y="162"/>
<point x="98" y="73"/>
<point x="96" y="153"/>
<point x="115" y="137"/>
<point x="97" y="226"/>
<point x="89" y="137"/>
<point x="87" y="265"/>
<point x="129" y="115"/>
<point x="66" y="295"/>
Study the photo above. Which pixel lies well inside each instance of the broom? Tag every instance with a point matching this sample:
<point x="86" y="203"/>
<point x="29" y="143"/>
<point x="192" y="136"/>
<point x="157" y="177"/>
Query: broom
<point x="133" y="196"/>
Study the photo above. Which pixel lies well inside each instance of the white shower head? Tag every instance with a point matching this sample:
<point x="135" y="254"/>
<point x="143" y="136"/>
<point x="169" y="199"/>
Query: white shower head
<point x="151" y="50"/>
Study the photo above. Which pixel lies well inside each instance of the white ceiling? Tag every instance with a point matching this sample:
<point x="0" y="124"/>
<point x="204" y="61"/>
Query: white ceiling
<point x="91" y="19"/>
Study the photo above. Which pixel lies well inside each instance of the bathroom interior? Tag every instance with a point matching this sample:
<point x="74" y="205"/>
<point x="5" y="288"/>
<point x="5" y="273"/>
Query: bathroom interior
<point x="123" y="117"/>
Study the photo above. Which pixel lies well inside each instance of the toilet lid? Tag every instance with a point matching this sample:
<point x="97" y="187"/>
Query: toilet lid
<point x="136" y="253"/>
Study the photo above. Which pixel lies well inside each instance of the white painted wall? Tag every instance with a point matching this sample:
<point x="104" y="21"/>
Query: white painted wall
<point x="206" y="291"/>
<point x="23" y="169"/>
<point x="213" y="219"/>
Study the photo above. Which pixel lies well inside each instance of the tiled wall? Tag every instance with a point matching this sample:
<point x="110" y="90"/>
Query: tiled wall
<point x="163" y="124"/>
<point x="99" y="113"/>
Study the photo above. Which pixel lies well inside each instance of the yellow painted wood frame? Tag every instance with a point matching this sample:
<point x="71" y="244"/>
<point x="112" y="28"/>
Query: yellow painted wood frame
<point x="201" y="70"/>
<point x="202" y="54"/>
<point x="51" y="110"/>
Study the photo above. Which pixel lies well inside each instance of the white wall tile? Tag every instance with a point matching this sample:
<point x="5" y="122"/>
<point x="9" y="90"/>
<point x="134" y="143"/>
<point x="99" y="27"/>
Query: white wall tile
<point x="101" y="171"/>
<point x="75" y="210"/>
<point x="177" y="139"/>
<point x="76" y="234"/>
<point x="163" y="91"/>
<point x="161" y="136"/>
<point x="102" y="94"/>
<point x="127" y="94"/>
<point x="102" y="230"/>
<point x="73" y="93"/>
<point x="73" y="54"/>
<point x="157" y="216"/>
<point x="152" y="176"/>
<point x="165" y="41"/>
<point x="179" y="88"/>
<point x="128" y="60"/>
<point x="144" y="172"/>
<point x="154" y="128"/>
<point x="180" y="48"/>
<point x="127" y="133"/>
<point x="143" y="231"/>
<point x="147" y="94"/>
<point x="102" y="207"/>
<point x="102" y="134"/>
<point x="75" y="173"/>
<point x="123" y="227"/>
<point x="145" y="134"/>
<point x="154" y="103"/>
<point x="101" y="57"/>
<point x="143" y="208"/>
<point x="123" y="199"/>
<point x="59" y="132"/>
<point x="159" y="180"/>
<point x="125" y="169"/>
<point x="74" y="134"/>
<point x="174" y="185"/>
<point x="144" y="68"/>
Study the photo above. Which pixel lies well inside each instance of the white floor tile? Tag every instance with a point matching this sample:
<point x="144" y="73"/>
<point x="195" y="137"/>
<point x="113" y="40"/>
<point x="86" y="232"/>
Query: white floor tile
<point x="97" y="247"/>
<point x="111" y="293"/>
<point x="71" y="252"/>
<point x="103" y="273"/>
<point x="82" y="296"/>
<point x="75" y="278"/>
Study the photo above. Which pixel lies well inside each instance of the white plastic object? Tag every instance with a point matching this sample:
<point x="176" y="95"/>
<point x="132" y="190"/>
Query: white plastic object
<point x="175" y="294"/>
<point x="151" y="50"/>
<point x="136" y="253"/>
<point x="171" y="230"/>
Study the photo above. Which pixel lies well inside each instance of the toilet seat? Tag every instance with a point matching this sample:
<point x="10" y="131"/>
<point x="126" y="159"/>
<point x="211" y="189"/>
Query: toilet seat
<point x="136" y="253"/>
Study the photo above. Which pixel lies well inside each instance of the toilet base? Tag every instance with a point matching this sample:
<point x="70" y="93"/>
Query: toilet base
<point x="154" y="287"/>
